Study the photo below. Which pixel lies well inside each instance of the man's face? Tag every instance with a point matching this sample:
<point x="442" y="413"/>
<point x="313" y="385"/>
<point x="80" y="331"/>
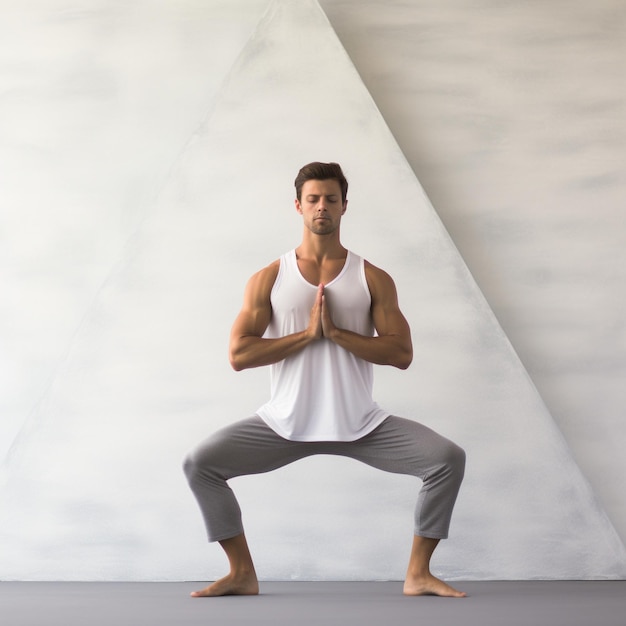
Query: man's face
<point x="320" y="206"/>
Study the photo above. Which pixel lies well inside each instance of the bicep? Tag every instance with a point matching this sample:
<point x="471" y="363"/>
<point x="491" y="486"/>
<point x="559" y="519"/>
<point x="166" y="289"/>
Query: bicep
<point x="256" y="310"/>
<point x="251" y="321"/>
<point x="386" y="314"/>
<point x="389" y="321"/>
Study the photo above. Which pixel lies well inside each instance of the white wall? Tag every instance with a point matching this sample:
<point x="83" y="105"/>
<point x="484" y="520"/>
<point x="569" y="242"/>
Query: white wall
<point x="104" y="141"/>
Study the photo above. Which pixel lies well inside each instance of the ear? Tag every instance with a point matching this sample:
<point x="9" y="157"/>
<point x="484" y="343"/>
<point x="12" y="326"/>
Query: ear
<point x="345" y="207"/>
<point x="298" y="206"/>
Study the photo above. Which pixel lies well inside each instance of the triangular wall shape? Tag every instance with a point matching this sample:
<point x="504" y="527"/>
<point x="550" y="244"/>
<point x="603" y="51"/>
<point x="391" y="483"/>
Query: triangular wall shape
<point x="94" y="488"/>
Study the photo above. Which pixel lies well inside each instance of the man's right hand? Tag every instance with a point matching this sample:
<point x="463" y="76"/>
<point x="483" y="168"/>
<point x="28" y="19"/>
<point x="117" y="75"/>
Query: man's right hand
<point x="248" y="347"/>
<point x="314" y="331"/>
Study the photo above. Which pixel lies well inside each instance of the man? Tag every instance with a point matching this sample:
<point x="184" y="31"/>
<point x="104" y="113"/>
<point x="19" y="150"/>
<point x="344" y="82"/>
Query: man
<point x="320" y="316"/>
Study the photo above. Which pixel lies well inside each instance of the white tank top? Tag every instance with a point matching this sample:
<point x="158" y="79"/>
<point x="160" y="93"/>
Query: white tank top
<point x="324" y="392"/>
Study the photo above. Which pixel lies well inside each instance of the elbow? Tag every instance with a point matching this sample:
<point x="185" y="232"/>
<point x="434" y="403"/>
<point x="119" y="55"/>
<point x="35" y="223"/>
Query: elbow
<point x="404" y="364"/>
<point x="242" y="355"/>
<point x="236" y="362"/>
<point x="238" y="354"/>
<point x="404" y="360"/>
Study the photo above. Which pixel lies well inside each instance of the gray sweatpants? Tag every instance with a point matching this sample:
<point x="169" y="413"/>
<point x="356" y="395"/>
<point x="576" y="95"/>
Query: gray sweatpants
<point x="398" y="445"/>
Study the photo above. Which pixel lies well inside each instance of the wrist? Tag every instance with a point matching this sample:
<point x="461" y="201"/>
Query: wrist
<point x="333" y="334"/>
<point x="310" y="336"/>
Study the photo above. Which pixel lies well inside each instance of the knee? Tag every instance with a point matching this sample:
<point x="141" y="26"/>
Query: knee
<point x="194" y="467"/>
<point x="201" y="464"/>
<point x="455" y="460"/>
<point x="190" y="467"/>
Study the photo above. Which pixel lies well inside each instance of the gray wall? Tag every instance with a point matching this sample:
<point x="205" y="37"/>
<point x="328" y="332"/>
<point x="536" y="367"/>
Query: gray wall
<point x="122" y="140"/>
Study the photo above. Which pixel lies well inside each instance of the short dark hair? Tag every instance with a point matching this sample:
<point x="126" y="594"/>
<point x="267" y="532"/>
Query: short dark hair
<point x="321" y="171"/>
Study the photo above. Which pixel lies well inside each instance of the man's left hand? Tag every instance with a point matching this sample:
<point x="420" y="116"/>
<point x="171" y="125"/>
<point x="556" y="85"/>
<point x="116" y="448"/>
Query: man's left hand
<point x="328" y="327"/>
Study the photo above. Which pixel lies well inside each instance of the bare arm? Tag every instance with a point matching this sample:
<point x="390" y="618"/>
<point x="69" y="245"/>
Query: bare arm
<point x="248" y="348"/>
<point x="393" y="344"/>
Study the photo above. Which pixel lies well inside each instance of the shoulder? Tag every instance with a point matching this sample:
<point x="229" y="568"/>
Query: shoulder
<point x="264" y="279"/>
<point x="382" y="288"/>
<point x="268" y="273"/>
<point x="377" y="277"/>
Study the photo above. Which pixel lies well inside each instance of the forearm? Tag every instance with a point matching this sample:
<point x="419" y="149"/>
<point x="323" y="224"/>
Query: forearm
<point x="252" y="351"/>
<point x="392" y="350"/>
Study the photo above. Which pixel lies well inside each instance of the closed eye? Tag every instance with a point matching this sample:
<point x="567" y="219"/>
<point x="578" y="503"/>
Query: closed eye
<point x="312" y="198"/>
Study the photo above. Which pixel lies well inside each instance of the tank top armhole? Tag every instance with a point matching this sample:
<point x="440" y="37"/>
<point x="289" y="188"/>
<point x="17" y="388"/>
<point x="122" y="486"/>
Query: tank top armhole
<point x="279" y="275"/>
<point x="363" y="278"/>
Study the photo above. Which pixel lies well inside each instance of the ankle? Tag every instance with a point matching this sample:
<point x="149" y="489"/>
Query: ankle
<point x="419" y="574"/>
<point x="243" y="571"/>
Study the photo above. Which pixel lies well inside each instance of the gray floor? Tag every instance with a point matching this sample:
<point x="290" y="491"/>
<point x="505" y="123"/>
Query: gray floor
<point x="527" y="603"/>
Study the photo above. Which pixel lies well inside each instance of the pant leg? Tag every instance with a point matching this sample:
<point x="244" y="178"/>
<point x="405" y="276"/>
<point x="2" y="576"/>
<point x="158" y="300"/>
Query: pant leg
<point x="398" y="445"/>
<point x="404" y="446"/>
<point x="246" y="447"/>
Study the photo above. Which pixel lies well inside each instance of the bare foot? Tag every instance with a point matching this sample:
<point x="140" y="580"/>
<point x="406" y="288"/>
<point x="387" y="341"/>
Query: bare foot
<point x="230" y="585"/>
<point x="430" y="586"/>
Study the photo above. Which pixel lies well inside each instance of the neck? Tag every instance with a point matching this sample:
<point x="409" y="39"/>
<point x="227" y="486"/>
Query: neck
<point x="321" y="246"/>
